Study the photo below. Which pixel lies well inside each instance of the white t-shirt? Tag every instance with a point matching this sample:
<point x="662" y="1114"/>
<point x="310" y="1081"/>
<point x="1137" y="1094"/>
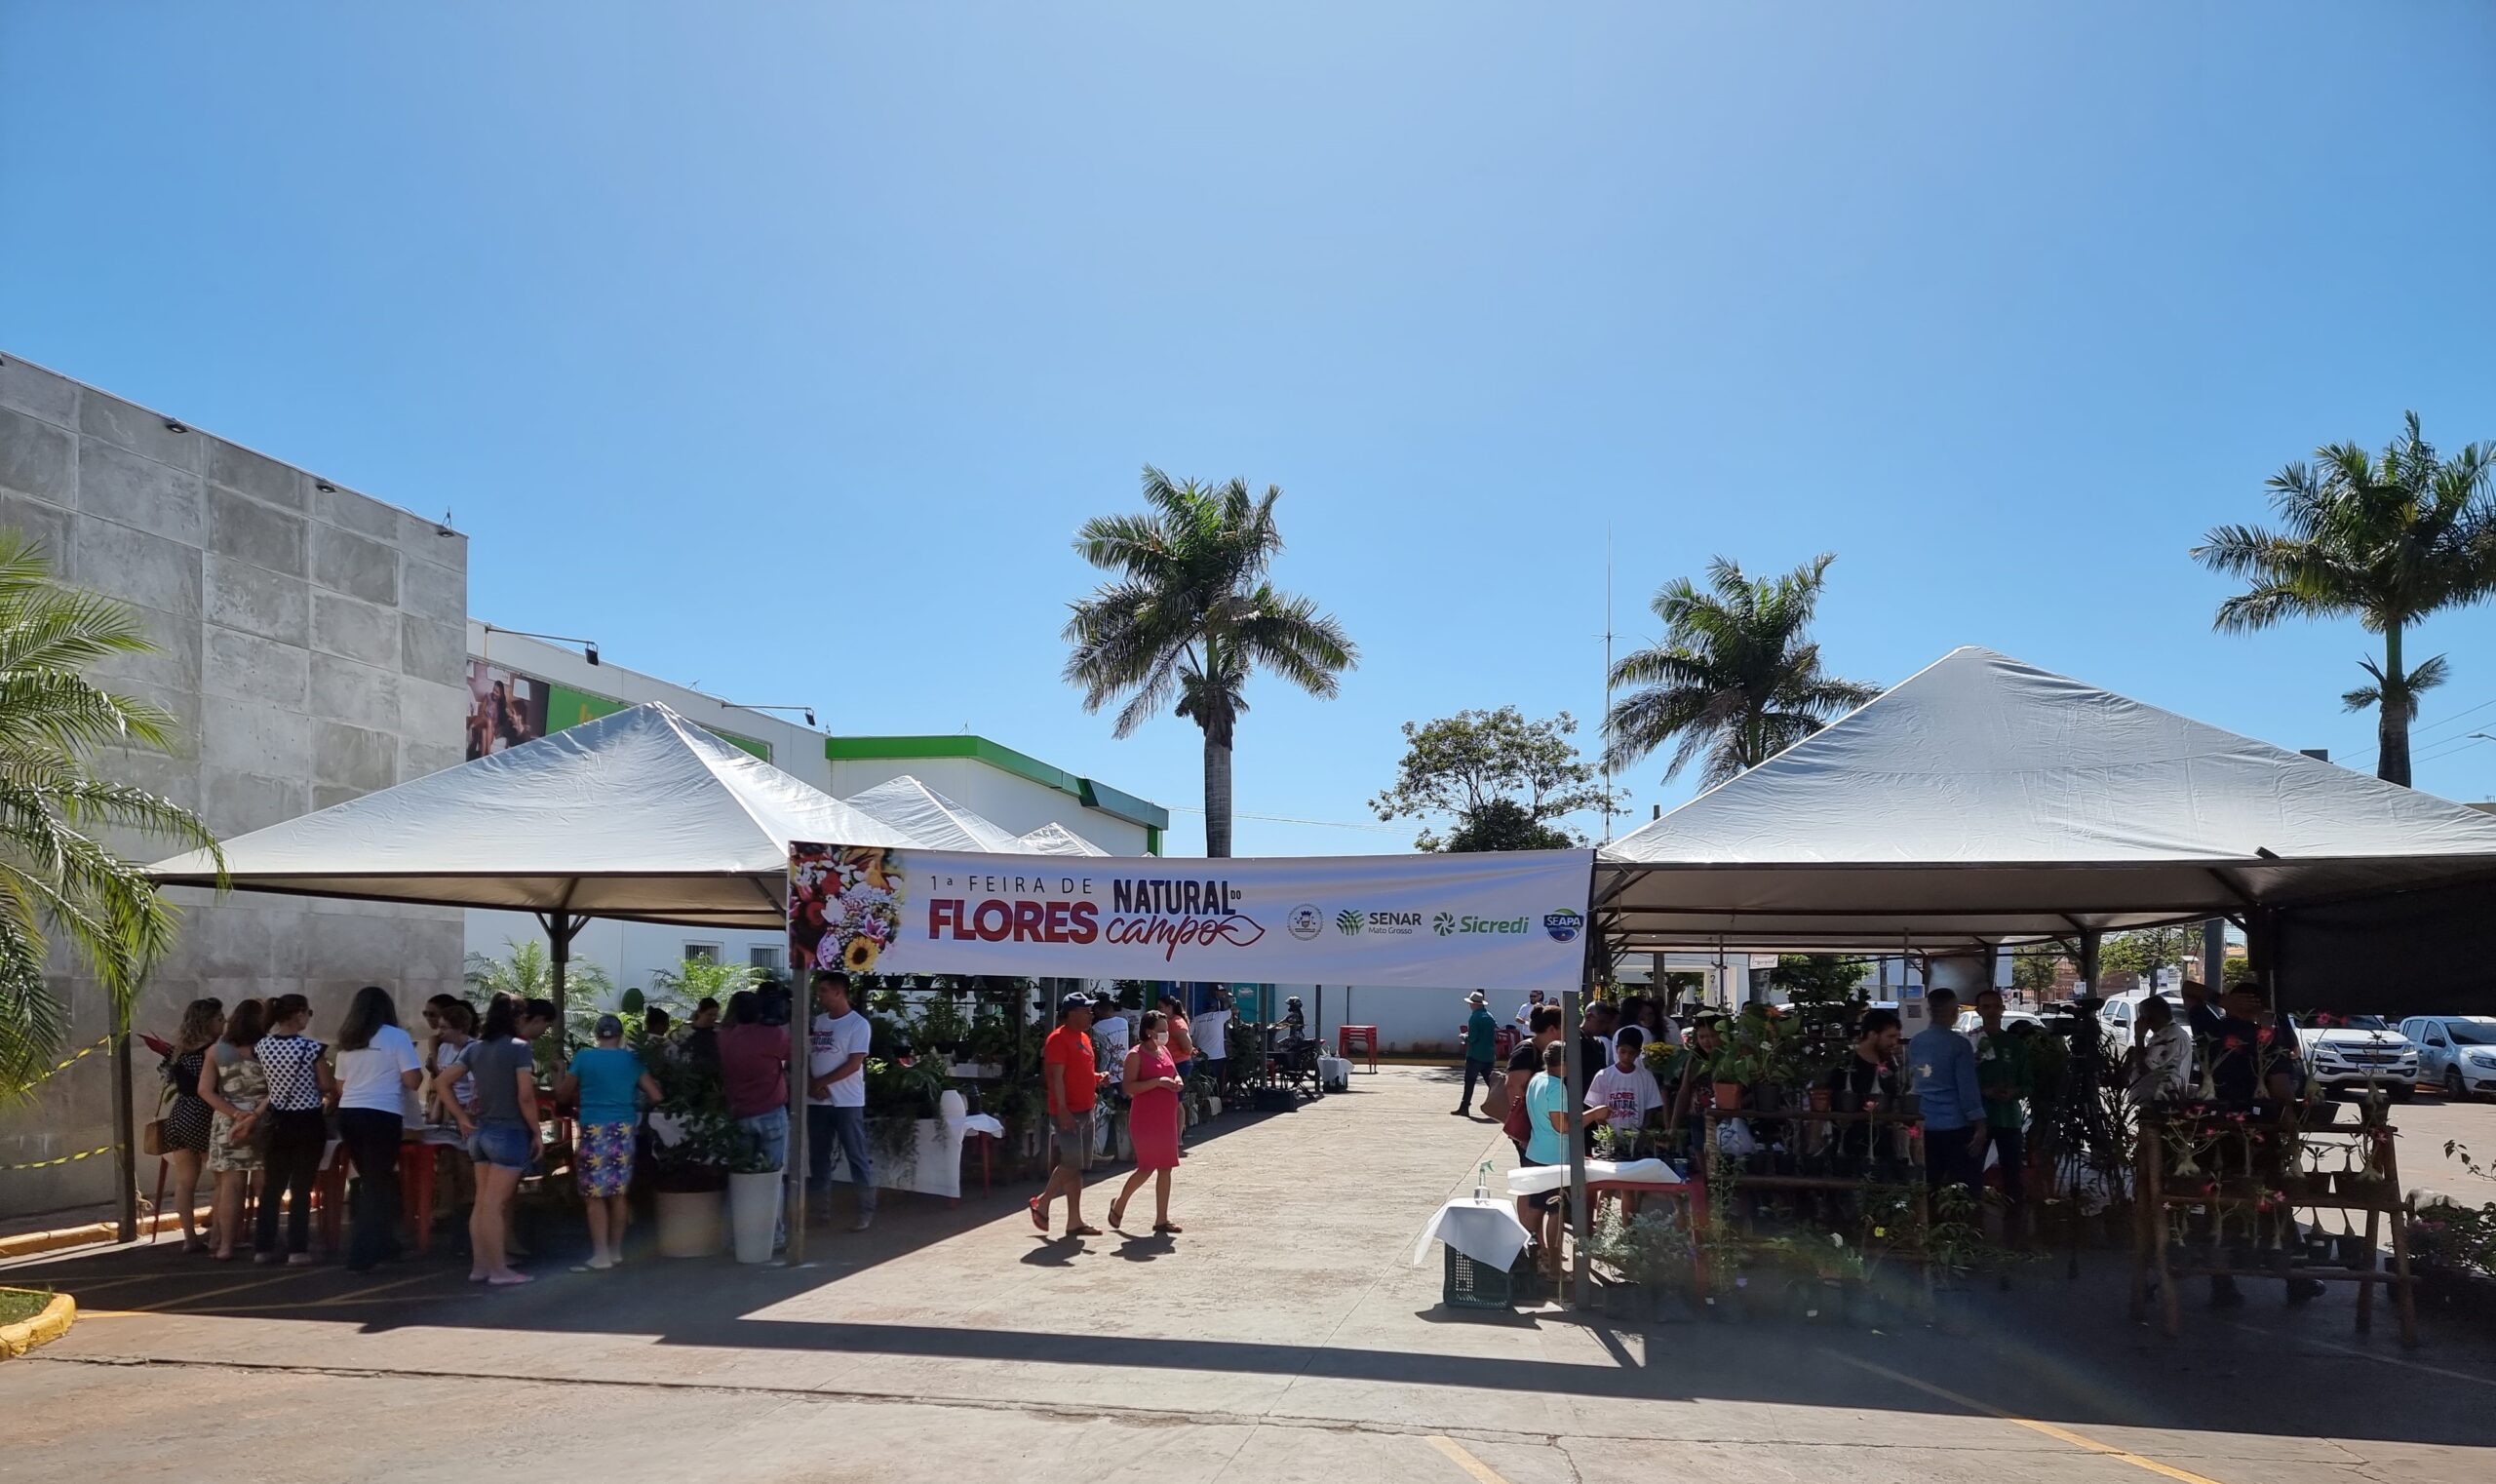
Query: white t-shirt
<point x="830" y="1042"/>
<point x="1111" y="1037"/>
<point x="1630" y="1095"/>
<point x="369" y="1078"/>
<point x="1207" y="1029"/>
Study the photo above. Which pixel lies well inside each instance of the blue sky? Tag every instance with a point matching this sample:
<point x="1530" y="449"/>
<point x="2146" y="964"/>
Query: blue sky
<point x="782" y="348"/>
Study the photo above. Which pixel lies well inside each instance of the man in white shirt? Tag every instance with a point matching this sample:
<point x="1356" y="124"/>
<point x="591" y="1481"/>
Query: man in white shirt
<point x="2160" y="1067"/>
<point x="1525" y="1011"/>
<point x="1110" y="1033"/>
<point x="1624" y="1092"/>
<point x="837" y="1045"/>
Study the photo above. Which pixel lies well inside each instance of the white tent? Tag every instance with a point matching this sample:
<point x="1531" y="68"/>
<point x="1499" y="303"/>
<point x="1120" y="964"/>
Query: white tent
<point x="1984" y="800"/>
<point x="1054" y="839"/>
<point x="932" y="820"/>
<point x="639" y="815"/>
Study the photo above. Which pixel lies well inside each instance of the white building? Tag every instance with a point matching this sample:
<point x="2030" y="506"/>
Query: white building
<point x="521" y="688"/>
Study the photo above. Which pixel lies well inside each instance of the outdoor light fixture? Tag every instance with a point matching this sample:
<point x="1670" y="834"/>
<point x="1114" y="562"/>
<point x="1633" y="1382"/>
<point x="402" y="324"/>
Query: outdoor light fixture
<point x="170" y="426"/>
<point x="808" y="711"/>
<point x="324" y="487"/>
<point x="589" y="646"/>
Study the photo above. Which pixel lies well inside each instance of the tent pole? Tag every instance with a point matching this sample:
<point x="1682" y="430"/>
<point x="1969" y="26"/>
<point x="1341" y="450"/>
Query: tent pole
<point x="1580" y="1220"/>
<point x="2090" y="938"/>
<point x="125" y="1133"/>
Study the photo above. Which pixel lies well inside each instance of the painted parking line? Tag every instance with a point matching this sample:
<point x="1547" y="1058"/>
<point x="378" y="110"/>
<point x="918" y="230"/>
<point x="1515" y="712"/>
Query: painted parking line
<point x="1483" y="1473"/>
<point x="2060" y="1434"/>
<point x="361" y="1295"/>
<point x="194" y="1298"/>
<point x="2351" y="1350"/>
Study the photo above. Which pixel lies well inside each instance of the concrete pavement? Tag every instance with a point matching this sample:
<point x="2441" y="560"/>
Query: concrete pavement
<point x="1283" y="1336"/>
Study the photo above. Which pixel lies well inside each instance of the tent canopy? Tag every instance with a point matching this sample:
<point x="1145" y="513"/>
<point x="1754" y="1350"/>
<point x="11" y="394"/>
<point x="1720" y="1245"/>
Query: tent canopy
<point x="1054" y="839"/>
<point x="1985" y="801"/>
<point x="933" y="821"/>
<point x="641" y="815"/>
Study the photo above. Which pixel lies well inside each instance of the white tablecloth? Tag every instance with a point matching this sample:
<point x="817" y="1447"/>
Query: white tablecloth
<point x="1486" y="1230"/>
<point x="1534" y="1180"/>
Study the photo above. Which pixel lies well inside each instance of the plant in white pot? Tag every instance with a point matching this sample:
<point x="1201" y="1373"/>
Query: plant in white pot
<point x="755" y="1185"/>
<point x="692" y="1140"/>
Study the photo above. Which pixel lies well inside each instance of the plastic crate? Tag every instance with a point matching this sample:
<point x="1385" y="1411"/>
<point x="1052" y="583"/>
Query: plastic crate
<point x="1476" y="1285"/>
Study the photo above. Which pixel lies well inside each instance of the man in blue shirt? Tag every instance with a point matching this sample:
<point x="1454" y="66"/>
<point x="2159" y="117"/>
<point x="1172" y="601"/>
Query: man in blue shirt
<point x="1952" y="1100"/>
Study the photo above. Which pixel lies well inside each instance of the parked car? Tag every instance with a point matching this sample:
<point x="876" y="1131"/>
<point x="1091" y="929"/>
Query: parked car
<point x="2121" y="1011"/>
<point x="2344" y="1051"/>
<point x="2455" y="1052"/>
<point x="1970" y="1022"/>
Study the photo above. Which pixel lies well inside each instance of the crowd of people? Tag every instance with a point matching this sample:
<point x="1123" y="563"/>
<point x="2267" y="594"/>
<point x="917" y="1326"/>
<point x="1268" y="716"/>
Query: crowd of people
<point x="260" y="1106"/>
<point x="1976" y="1092"/>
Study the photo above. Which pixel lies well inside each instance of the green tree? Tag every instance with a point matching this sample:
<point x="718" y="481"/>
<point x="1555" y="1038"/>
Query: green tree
<point x="1189" y="614"/>
<point x="2146" y="949"/>
<point x="2032" y="972"/>
<point x="1501" y="777"/>
<point x="2389" y="539"/>
<point x="679" y="990"/>
<point x="58" y="876"/>
<point x="1817" y="976"/>
<point x="526" y="972"/>
<point x="1733" y="675"/>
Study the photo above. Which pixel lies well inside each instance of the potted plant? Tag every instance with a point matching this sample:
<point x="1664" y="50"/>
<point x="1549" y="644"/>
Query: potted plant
<point x="1732" y="1070"/>
<point x="693" y="1141"/>
<point x="755" y="1195"/>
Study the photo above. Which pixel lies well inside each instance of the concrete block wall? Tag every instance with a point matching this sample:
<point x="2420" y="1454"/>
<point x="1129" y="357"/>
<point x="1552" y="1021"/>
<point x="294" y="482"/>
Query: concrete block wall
<point x="312" y="643"/>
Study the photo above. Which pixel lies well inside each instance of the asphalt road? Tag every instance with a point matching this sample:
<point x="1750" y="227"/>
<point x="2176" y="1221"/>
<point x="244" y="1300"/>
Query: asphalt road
<point x="1284" y="1336"/>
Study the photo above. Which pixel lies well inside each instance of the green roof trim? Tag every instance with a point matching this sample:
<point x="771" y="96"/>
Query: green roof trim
<point x="1114" y="803"/>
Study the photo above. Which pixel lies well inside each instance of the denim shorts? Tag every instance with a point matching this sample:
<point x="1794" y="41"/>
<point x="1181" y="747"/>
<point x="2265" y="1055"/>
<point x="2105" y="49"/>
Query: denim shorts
<point x="505" y="1145"/>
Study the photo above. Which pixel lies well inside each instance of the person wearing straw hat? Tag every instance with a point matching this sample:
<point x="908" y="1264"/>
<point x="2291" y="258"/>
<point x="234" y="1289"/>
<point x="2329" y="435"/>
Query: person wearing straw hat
<point x="1481" y="1052"/>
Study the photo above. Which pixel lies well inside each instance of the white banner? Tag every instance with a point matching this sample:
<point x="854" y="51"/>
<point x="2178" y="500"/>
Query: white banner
<point x="1511" y="921"/>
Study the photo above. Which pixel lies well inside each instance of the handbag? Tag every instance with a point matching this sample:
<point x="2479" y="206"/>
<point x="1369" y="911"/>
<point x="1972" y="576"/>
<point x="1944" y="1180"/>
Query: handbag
<point x="1514" y="1124"/>
<point x="1495" y="1101"/>
<point x="151" y="1137"/>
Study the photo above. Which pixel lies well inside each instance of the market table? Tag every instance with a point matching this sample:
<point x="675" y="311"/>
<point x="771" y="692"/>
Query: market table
<point x="1636" y="1177"/>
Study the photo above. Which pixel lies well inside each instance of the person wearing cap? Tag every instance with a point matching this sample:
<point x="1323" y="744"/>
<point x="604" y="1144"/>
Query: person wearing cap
<point x="1481" y="1051"/>
<point x="1073" y="1078"/>
<point x="605" y="1077"/>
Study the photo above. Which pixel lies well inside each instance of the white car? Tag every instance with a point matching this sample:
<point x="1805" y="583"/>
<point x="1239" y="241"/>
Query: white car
<point x="2357" y="1051"/>
<point x="1970" y="1022"/>
<point x="2455" y="1052"/>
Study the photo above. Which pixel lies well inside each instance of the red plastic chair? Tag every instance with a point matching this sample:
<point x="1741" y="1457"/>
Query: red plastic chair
<point x="1363" y="1036"/>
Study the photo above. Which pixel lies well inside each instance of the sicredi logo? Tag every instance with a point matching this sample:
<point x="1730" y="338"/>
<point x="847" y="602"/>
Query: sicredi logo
<point x="1306" y="921"/>
<point x="1447" y="924"/>
<point x="1563" y="926"/>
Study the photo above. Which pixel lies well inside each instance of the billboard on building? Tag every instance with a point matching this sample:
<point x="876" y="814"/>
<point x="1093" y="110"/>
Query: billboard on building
<point x="508" y="707"/>
<point x="505" y="708"/>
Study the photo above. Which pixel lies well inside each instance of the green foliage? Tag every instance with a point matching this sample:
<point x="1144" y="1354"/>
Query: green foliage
<point x="58" y="878"/>
<point x="1734" y="675"/>
<point x="1817" y="978"/>
<point x="679" y="990"/>
<point x="527" y="972"/>
<point x="2032" y="972"/>
<point x="2387" y="539"/>
<point x="1501" y="778"/>
<point x="1652" y="1249"/>
<point x="1187" y="615"/>
<point x="711" y="1143"/>
<point x="2149" y="948"/>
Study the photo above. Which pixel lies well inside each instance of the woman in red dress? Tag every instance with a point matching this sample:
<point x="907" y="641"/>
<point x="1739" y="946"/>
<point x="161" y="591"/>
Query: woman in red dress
<point x="1151" y="1080"/>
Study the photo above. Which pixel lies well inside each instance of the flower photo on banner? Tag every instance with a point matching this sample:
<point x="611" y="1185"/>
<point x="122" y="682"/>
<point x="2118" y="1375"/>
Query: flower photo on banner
<point x="845" y="905"/>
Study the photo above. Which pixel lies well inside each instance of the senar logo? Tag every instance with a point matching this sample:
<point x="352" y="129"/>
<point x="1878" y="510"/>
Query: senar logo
<point x="1563" y="926"/>
<point x="1348" y="922"/>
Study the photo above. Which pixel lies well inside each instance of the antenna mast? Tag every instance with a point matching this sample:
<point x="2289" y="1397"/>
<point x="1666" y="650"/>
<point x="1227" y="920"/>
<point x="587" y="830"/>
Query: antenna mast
<point x="1602" y="731"/>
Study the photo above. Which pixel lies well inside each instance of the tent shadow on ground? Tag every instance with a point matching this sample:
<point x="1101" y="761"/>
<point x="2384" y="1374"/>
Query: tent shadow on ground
<point x="2053" y="1349"/>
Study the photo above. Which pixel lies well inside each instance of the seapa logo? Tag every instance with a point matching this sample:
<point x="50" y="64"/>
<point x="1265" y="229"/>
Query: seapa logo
<point x="1563" y="926"/>
<point x="1306" y="921"/>
<point x="1444" y="923"/>
<point x="1348" y="922"/>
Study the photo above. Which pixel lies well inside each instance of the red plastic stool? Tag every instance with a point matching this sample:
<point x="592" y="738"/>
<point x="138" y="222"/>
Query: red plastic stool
<point x="415" y="1190"/>
<point x="1363" y="1036"/>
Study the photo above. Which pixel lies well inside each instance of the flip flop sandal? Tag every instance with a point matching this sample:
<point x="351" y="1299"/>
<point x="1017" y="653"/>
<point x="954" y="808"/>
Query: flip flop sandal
<point x="1171" y="1228"/>
<point x="1117" y="1213"/>
<point x="1037" y="1220"/>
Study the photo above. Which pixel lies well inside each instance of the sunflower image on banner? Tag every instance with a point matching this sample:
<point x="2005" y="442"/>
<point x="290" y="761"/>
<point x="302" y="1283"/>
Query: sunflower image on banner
<point x="845" y="905"/>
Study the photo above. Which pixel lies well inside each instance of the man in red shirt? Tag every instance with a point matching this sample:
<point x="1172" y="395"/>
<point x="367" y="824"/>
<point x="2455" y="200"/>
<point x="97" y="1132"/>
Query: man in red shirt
<point x="1074" y="1087"/>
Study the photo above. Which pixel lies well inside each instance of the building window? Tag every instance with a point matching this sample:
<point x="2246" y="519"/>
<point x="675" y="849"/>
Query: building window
<point x="701" y="953"/>
<point x="768" y="959"/>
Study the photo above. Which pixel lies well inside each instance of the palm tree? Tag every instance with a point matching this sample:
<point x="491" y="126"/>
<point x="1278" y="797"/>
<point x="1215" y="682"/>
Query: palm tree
<point x="1189" y="614"/>
<point x="1733" y="675"/>
<point x="2390" y="538"/>
<point x="56" y="873"/>
<point x="526" y="972"/>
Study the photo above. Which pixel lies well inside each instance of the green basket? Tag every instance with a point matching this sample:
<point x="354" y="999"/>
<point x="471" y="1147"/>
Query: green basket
<point x="1476" y="1285"/>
